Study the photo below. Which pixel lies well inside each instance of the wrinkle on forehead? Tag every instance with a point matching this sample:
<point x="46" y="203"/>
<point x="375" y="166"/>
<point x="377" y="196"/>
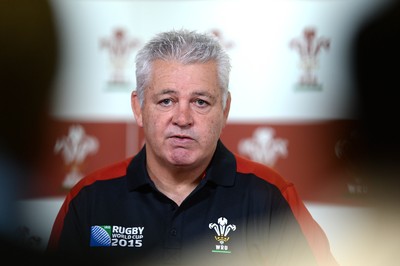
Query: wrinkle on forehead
<point x="174" y="78"/>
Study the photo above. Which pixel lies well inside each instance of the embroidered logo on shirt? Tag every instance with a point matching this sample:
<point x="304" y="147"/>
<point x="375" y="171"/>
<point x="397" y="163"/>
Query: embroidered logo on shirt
<point x="222" y="229"/>
<point x="116" y="236"/>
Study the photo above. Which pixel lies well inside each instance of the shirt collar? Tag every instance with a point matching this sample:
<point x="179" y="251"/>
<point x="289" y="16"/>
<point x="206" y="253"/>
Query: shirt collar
<point x="137" y="173"/>
<point x="221" y="170"/>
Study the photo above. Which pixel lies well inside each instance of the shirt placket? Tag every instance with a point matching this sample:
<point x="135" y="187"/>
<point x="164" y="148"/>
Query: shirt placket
<point x="173" y="235"/>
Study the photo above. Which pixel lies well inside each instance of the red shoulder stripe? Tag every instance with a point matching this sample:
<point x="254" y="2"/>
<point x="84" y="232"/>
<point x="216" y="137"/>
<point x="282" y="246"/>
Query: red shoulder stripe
<point x="112" y="171"/>
<point x="315" y="236"/>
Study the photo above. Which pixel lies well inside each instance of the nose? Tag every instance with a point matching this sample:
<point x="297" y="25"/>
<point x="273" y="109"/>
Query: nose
<point x="182" y="115"/>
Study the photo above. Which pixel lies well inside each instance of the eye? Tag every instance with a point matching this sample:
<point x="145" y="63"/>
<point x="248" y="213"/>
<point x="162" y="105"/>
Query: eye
<point x="165" y="102"/>
<point x="201" y="103"/>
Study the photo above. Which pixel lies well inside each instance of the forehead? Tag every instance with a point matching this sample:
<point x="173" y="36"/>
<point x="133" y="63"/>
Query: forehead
<point x="174" y="75"/>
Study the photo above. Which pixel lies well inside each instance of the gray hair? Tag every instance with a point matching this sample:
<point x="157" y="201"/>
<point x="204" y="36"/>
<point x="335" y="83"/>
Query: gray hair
<point x="186" y="47"/>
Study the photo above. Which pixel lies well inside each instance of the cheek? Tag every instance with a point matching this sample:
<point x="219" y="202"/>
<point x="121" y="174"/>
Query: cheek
<point x="154" y="123"/>
<point x="213" y="128"/>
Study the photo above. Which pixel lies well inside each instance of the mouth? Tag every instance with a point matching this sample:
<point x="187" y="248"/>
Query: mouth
<point x="181" y="137"/>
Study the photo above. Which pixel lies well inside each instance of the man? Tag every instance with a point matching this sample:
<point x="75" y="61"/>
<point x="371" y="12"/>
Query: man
<point x="185" y="199"/>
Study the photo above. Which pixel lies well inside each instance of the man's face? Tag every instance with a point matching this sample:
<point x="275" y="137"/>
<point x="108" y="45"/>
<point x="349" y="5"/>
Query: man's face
<point x="182" y="114"/>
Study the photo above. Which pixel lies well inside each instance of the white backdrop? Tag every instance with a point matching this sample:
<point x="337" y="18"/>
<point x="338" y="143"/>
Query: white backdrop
<point x="265" y="69"/>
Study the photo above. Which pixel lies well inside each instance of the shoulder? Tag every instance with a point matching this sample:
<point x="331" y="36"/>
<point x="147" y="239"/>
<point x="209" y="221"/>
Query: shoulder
<point x="109" y="172"/>
<point x="246" y="166"/>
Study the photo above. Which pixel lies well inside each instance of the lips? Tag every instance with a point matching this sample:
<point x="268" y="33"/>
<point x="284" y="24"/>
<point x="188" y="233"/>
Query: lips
<point x="180" y="139"/>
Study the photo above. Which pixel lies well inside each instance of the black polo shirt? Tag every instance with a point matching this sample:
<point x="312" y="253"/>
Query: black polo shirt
<point x="231" y="218"/>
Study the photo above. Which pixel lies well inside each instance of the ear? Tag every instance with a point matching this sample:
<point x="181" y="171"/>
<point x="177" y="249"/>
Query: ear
<point x="136" y="109"/>
<point x="227" y="108"/>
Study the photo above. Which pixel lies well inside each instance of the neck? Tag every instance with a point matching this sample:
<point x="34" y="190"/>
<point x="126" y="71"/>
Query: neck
<point x="176" y="185"/>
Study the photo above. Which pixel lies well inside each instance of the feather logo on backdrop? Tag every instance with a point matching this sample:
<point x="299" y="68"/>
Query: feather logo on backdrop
<point x="74" y="148"/>
<point x="119" y="47"/>
<point x="263" y="147"/>
<point x="309" y="47"/>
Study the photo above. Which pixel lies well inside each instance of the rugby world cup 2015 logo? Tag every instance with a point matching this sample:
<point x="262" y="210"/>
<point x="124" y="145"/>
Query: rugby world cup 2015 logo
<point x="222" y="229"/>
<point x="100" y="236"/>
<point x="116" y="236"/>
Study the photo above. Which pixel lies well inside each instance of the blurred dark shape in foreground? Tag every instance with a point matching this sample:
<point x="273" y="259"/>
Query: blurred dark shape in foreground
<point x="28" y="65"/>
<point x="376" y="53"/>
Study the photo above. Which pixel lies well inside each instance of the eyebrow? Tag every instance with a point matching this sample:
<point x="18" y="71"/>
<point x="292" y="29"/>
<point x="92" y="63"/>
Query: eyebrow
<point x="167" y="91"/>
<point x="203" y="93"/>
<point x="199" y="93"/>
